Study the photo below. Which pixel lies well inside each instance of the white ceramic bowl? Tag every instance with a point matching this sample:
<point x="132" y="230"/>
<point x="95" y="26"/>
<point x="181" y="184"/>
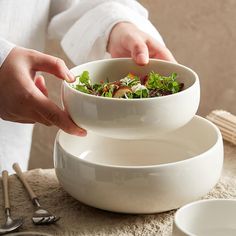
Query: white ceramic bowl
<point x="134" y="118"/>
<point x="141" y="176"/>
<point x="206" y="218"/>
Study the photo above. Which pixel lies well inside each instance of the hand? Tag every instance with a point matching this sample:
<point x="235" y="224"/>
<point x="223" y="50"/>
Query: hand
<point x="24" y="96"/>
<point x="126" y="40"/>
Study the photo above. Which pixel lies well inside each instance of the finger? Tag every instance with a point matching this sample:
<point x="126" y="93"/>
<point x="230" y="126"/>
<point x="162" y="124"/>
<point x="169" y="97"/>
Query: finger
<point x="29" y="116"/>
<point x="40" y="119"/>
<point x="39" y="82"/>
<point x="159" y="51"/>
<point x="20" y="120"/>
<point x="25" y="121"/>
<point x="52" y="65"/>
<point x="54" y="115"/>
<point x="139" y="51"/>
<point x="35" y="118"/>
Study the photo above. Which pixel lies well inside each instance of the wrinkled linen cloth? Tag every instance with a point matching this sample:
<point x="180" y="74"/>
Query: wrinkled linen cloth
<point x="79" y="219"/>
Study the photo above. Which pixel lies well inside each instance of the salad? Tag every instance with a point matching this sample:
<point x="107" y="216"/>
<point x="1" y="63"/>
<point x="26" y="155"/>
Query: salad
<point x="130" y="87"/>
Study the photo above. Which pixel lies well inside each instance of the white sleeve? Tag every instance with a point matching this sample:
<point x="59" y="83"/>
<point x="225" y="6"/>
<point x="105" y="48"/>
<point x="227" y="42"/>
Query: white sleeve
<point x="85" y="27"/>
<point x="5" y="48"/>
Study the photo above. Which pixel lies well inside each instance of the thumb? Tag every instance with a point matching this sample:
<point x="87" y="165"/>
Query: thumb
<point x="139" y="51"/>
<point x="52" y="65"/>
<point x="50" y="113"/>
<point x="159" y="51"/>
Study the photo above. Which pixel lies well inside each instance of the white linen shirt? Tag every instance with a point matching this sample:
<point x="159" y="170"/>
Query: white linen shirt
<point x="83" y="28"/>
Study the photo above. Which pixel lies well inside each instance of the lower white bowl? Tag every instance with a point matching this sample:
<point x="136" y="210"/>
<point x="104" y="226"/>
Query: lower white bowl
<point x="215" y="217"/>
<point x="141" y="176"/>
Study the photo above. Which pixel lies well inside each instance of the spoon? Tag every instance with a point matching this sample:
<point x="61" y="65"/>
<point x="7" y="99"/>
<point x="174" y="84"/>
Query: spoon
<point x="10" y="224"/>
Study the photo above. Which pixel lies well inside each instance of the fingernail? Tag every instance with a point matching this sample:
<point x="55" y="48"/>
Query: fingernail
<point x="70" y="77"/>
<point x="142" y="59"/>
<point x="82" y="132"/>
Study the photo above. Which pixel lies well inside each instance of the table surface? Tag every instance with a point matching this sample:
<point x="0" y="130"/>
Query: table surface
<point x="79" y="219"/>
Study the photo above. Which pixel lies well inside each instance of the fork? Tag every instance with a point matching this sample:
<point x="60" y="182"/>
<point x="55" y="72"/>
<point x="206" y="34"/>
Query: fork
<point x="40" y="216"/>
<point x="10" y="224"/>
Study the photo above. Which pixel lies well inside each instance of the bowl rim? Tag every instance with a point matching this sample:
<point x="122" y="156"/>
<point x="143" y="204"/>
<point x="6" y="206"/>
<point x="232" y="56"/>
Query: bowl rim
<point x="143" y="167"/>
<point x="199" y="202"/>
<point x="195" y="83"/>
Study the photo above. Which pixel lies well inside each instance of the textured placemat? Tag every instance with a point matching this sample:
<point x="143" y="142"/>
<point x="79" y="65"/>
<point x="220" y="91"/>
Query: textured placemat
<point x="226" y="122"/>
<point x="79" y="219"/>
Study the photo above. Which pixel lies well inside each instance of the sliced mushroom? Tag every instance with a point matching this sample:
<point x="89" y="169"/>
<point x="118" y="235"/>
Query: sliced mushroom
<point x="122" y="91"/>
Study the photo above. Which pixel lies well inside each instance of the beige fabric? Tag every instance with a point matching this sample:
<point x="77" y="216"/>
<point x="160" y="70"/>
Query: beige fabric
<point x="78" y="219"/>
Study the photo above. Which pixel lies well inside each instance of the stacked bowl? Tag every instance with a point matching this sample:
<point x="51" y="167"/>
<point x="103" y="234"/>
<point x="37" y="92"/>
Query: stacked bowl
<point x="140" y="155"/>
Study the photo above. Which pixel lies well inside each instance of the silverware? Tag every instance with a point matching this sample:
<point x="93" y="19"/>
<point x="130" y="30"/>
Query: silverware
<point x="40" y="216"/>
<point x="10" y="224"/>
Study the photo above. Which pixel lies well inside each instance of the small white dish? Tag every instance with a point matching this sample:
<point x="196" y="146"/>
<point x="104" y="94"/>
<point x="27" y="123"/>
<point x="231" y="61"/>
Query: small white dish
<point x="141" y="176"/>
<point x="215" y="217"/>
<point x="132" y="118"/>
